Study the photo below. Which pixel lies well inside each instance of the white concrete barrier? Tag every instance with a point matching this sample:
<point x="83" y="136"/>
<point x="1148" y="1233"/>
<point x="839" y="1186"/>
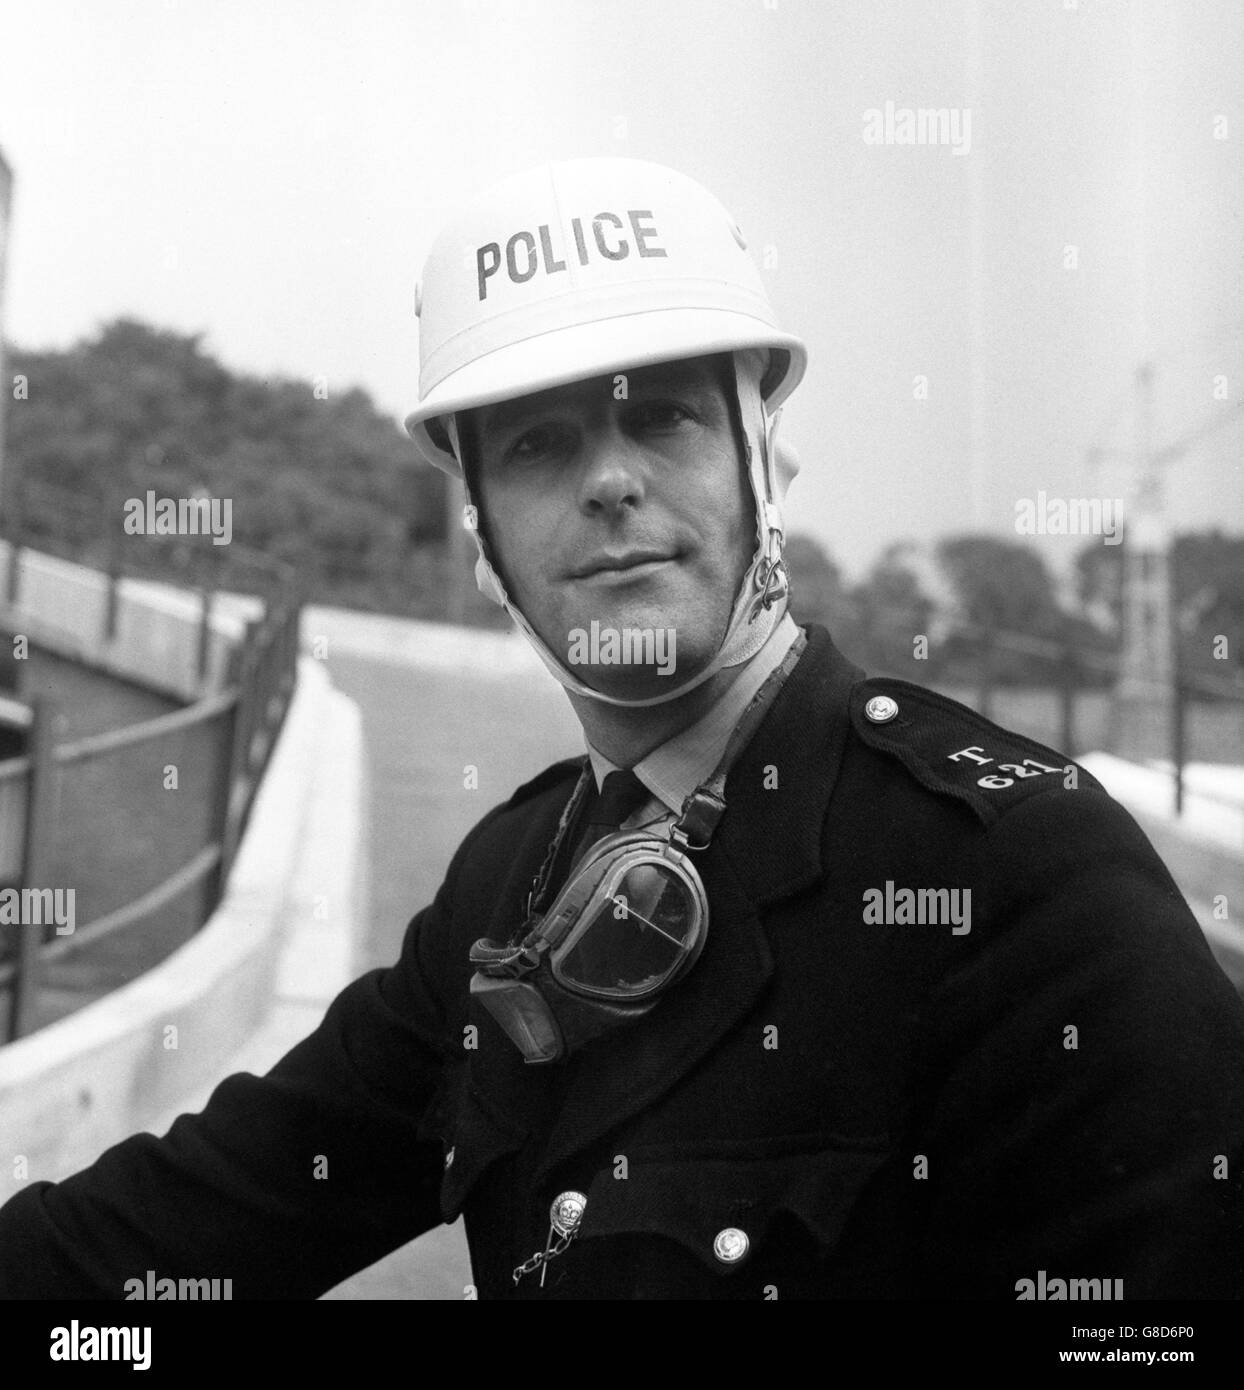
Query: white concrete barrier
<point x="62" y="606"/>
<point x="420" y="644"/>
<point x="133" y="1058"/>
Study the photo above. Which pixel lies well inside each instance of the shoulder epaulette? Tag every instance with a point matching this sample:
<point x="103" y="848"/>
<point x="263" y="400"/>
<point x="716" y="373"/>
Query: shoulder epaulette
<point x="952" y="749"/>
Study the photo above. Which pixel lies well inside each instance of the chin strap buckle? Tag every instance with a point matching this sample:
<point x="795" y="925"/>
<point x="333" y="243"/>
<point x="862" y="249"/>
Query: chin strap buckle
<point x="772" y="576"/>
<point x="773" y="581"/>
<point x="776" y="584"/>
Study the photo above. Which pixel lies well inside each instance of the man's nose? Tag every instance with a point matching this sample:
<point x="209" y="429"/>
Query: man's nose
<point x="612" y="472"/>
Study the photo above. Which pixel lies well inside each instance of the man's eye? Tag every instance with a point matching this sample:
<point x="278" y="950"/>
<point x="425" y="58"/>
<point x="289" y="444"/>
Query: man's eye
<point x="536" y="443"/>
<point x="660" y="415"/>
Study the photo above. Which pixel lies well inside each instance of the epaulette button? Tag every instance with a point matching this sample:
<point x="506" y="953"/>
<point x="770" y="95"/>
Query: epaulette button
<point x="880" y="709"/>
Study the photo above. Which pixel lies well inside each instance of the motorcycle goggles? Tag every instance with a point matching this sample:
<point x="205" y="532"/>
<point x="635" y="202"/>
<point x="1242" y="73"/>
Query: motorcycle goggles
<point x="630" y="921"/>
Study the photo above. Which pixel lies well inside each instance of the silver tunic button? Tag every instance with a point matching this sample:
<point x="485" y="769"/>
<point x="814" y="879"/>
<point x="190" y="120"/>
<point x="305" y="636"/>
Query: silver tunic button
<point x="731" y="1245"/>
<point x="566" y="1212"/>
<point x="880" y="708"/>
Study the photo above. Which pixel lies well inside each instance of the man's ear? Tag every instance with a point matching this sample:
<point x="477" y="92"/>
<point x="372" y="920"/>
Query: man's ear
<point x="466" y="427"/>
<point x="439" y="434"/>
<point x="466" y="432"/>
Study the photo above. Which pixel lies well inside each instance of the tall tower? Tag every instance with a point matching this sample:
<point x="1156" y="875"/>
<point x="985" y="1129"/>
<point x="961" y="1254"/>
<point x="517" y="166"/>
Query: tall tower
<point x="6" y="200"/>
<point x="1143" y="695"/>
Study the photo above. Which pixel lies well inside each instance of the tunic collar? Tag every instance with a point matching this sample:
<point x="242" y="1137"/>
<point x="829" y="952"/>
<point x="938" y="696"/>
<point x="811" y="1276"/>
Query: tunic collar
<point x="672" y="771"/>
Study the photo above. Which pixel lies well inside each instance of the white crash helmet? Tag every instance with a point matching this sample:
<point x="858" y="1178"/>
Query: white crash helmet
<point x="589" y="267"/>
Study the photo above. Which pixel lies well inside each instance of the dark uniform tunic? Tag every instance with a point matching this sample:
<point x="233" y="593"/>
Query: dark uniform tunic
<point x="829" y="1105"/>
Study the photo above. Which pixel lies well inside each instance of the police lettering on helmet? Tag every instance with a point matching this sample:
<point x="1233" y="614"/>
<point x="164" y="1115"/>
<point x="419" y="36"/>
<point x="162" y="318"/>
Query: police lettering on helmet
<point x="590" y="267"/>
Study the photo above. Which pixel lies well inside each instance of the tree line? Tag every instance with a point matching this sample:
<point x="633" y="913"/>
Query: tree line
<point x="328" y="484"/>
<point x="320" y="480"/>
<point x="997" y="600"/>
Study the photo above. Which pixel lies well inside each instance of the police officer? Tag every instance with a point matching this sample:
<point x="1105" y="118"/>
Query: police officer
<point x="798" y="984"/>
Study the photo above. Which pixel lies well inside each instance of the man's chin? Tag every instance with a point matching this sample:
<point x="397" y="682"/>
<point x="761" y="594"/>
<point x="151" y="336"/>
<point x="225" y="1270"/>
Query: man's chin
<point x="635" y="642"/>
<point x="637" y="656"/>
<point x="634" y="662"/>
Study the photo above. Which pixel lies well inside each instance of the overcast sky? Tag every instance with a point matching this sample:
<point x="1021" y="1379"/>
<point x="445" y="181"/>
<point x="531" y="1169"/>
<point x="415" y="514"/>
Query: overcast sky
<point x="273" y="174"/>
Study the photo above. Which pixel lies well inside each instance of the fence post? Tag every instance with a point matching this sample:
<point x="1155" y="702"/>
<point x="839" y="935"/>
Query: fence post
<point x="243" y="736"/>
<point x="36" y="856"/>
<point x="289" y="649"/>
<point x="229" y="770"/>
<point x="259" y="690"/>
<point x="206" y="596"/>
<point x="222" y="805"/>
<point x="13" y="591"/>
<point x="114" y="566"/>
<point x="1067" y="694"/>
<point x="984" y="698"/>
<point x="1178" y="750"/>
<point x="295" y="636"/>
<point x="283" y="654"/>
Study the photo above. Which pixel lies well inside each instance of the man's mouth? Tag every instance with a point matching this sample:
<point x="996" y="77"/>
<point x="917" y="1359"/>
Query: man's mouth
<point x="625" y="562"/>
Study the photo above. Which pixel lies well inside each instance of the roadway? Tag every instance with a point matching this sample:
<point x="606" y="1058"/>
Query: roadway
<point x="436" y="703"/>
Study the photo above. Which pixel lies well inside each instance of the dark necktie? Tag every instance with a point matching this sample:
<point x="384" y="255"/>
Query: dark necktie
<point x="620" y="796"/>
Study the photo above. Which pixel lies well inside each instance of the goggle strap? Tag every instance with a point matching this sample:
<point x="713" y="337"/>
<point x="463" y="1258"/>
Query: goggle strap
<point x="506" y="960"/>
<point x="700" y="813"/>
<point x="539" y="884"/>
<point x="706" y="805"/>
<point x="694" y="828"/>
<point x="522" y="1014"/>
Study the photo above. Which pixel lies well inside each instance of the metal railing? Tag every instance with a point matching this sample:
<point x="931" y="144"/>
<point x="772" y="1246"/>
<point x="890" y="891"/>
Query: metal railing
<point x="99" y="788"/>
<point x="250" y="711"/>
<point x="1073" y="670"/>
<point x="58" y="523"/>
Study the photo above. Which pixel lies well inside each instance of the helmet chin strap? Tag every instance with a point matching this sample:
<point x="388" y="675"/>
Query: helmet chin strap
<point x="762" y="595"/>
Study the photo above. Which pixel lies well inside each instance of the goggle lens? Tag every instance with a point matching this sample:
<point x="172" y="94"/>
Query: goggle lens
<point x="637" y="937"/>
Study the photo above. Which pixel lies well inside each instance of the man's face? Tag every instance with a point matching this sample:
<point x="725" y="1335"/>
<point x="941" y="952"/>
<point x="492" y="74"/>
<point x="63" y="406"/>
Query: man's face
<point x="621" y="501"/>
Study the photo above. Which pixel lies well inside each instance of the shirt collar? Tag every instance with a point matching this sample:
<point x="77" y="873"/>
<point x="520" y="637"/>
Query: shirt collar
<point x="672" y="771"/>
